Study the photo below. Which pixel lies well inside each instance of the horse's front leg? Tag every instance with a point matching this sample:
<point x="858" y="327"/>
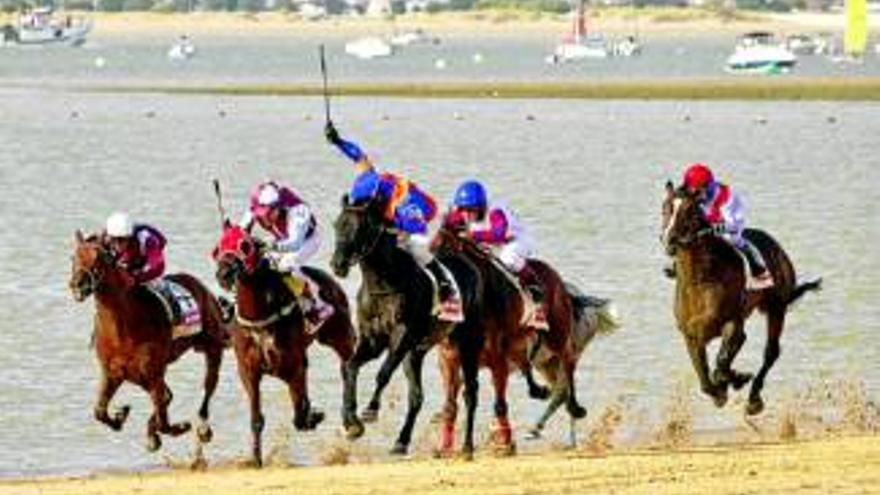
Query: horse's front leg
<point x="107" y="387"/>
<point x="733" y="338"/>
<point x="389" y="365"/>
<point x="364" y="351"/>
<point x="449" y="363"/>
<point x="503" y="432"/>
<point x="413" y="370"/>
<point x="161" y="396"/>
<point x="697" y="351"/>
<point x="250" y="379"/>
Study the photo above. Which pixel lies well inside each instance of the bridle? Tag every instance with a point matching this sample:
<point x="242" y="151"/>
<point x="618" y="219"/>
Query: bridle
<point x="368" y="247"/>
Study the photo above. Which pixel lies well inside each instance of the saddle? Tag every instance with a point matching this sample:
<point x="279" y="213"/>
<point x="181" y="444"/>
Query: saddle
<point x="180" y="307"/>
<point x="534" y="314"/>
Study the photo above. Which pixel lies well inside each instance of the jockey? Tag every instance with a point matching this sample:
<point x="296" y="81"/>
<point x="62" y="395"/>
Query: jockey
<point x="290" y="221"/>
<point x="138" y="248"/>
<point x="496" y="226"/>
<point x="407" y="208"/>
<point x="725" y="212"/>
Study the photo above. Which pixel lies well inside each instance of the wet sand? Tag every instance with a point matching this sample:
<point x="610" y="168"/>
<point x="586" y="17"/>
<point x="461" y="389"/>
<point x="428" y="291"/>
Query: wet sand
<point x="839" y="466"/>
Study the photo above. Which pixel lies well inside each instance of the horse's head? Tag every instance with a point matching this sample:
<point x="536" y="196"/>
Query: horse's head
<point x="236" y="253"/>
<point x="358" y="229"/>
<point x="91" y="263"/>
<point x="450" y="235"/>
<point x="683" y="219"/>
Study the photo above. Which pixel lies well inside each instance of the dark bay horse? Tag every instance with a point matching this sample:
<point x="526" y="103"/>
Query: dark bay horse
<point x="509" y="343"/>
<point x="711" y="299"/>
<point x="395" y="313"/>
<point x="270" y="335"/>
<point x="133" y="338"/>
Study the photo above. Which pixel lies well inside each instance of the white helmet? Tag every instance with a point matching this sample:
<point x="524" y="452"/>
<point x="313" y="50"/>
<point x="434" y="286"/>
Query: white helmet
<point x="269" y="195"/>
<point x="119" y="225"/>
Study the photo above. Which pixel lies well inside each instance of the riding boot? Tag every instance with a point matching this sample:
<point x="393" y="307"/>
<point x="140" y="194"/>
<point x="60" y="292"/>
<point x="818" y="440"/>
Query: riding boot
<point x="315" y="309"/>
<point x="532" y="282"/>
<point x="444" y="285"/>
<point x="761" y="278"/>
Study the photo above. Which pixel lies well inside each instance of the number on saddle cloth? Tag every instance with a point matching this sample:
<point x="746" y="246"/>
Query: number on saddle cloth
<point x="180" y="306"/>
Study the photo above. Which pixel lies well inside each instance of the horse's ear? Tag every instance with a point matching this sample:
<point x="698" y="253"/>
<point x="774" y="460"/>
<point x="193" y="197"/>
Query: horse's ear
<point x="670" y="187"/>
<point x="226" y="223"/>
<point x="344" y="200"/>
<point x="78" y="235"/>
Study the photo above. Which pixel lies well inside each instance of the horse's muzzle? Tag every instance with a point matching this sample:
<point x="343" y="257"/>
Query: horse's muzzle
<point x="340" y="267"/>
<point x="81" y="287"/>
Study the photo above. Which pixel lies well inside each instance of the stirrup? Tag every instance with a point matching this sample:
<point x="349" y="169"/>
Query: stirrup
<point x="762" y="282"/>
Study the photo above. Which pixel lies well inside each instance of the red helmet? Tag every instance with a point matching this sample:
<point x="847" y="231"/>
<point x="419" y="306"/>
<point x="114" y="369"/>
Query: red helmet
<point x="696" y="176"/>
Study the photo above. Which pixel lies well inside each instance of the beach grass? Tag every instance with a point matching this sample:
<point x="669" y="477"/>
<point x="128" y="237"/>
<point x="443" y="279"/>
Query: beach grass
<point x="731" y="88"/>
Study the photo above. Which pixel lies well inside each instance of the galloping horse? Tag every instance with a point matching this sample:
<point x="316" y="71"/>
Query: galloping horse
<point x="509" y="340"/>
<point x="395" y="302"/>
<point x="270" y="335"/>
<point x="133" y="338"/>
<point x="711" y="299"/>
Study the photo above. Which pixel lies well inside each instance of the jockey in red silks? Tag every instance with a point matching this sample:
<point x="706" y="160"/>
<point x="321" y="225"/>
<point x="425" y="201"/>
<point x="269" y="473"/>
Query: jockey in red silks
<point x="407" y="208"/>
<point x="280" y="212"/>
<point x="138" y="248"/>
<point x="725" y="212"/>
<point x="496" y="226"/>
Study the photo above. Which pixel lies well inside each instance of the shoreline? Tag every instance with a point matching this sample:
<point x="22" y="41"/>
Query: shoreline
<point x="731" y="88"/>
<point x="840" y="465"/>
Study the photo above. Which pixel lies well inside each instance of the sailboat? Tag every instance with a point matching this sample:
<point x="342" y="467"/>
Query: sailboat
<point x="577" y="44"/>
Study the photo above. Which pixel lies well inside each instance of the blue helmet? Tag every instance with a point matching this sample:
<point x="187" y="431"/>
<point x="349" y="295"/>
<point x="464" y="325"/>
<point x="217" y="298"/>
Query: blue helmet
<point x="470" y="194"/>
<point x="365" y="186"/>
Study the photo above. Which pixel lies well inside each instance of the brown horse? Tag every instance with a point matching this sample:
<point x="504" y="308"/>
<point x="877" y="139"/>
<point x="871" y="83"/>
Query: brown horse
<point x="270" y="334"/>
<point x="508" y="340"/>
<point x="711" y="299"/>
<point x="133" y="338"/>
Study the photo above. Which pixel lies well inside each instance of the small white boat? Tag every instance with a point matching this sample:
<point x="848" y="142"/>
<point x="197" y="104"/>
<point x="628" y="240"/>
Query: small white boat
<point x="577" y="44"/>
<point x="369" y="48"/>
<point x="184" y="49"/>
<point x="627" y="47"/>
<point x="759" y="53"/>
<point x="40" y="26"/>
<point x="802" y="44"/>
<point x="414" y="37"/>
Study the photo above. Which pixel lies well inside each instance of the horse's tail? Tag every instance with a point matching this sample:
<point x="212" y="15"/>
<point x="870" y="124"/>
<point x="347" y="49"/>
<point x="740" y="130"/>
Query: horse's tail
<point x="802" y="288"/>
<point x="593" y="316"/>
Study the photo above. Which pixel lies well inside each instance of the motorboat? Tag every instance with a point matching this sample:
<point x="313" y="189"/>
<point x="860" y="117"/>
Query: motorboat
<point x="759" y="53"/>
<point x="41" y="26"/>
<point x="369" y="48"/>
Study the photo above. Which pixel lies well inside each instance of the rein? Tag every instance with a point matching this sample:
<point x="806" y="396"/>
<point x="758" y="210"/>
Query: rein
<point x="357" y="257"/>
<point x="265" y="322"/>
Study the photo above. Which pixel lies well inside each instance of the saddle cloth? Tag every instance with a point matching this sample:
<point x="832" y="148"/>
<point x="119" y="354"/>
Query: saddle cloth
<point x="451" y="311"/>
<point x="180" y="307"/>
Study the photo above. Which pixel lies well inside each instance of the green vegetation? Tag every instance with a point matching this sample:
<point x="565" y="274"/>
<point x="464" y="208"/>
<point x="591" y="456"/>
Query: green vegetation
<point x="855" y="89"/>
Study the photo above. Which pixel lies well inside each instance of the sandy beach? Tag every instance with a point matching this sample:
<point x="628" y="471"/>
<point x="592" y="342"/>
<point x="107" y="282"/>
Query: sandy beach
<point x="839" y="466"/>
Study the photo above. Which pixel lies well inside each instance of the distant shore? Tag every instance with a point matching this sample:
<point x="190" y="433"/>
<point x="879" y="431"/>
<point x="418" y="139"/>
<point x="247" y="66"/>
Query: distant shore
<point x="840" y="466"/>
<point x="659" y="21"/>
<point x="731" y="88"/>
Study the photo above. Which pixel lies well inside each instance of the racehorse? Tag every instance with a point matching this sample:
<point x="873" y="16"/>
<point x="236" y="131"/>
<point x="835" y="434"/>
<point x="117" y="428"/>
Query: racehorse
<point x="270" y="334"/>
<point x="711" y="299"/>
<point x="509" y="340"/>
<point x="134" y="342"/>
<point x="395" y="313"/>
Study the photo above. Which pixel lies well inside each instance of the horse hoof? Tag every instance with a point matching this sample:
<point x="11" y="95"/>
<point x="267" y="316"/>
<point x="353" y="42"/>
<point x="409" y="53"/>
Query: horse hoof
<point x="534" y="433"/>
<point x="539" y="392"/>
<point x="398" y="449"/>
<point x="179" y="428"/>
<point x="467" y="454"/>
<point x="720" y="398"/>
<point x="354" y="430"/>
<point x="204" y="433"/>
<point x="740" y="380"/>
<point x="119" y="418"/>
<point x="199" y="464"/>
<point x="370" y="415"/>
<point x="505" y="449"/>
<point x="577" y="411"/>
<point x="154" y="443"/>
<point x="755" y="406"/>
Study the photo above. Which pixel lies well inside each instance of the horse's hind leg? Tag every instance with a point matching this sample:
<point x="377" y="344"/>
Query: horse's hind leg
<point x="775" y="323"/>
<point x="107" y="388"/>
<point x="413" y="370"/>
<point x="213" y="358"/>
<point x="304" y="416"/>
<point x="389" y="365"/>
<point x="503" y="432"/>
<point x="733" y="338"/>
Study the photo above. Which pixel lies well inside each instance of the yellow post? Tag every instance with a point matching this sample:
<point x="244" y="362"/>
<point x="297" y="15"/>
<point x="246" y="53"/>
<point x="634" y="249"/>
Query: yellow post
<point x="856" y="36"/>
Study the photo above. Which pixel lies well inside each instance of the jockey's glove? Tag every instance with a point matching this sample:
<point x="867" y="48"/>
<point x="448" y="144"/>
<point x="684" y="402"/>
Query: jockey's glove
<point x="719" y="229"/>
<point x="331" y="133"/>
